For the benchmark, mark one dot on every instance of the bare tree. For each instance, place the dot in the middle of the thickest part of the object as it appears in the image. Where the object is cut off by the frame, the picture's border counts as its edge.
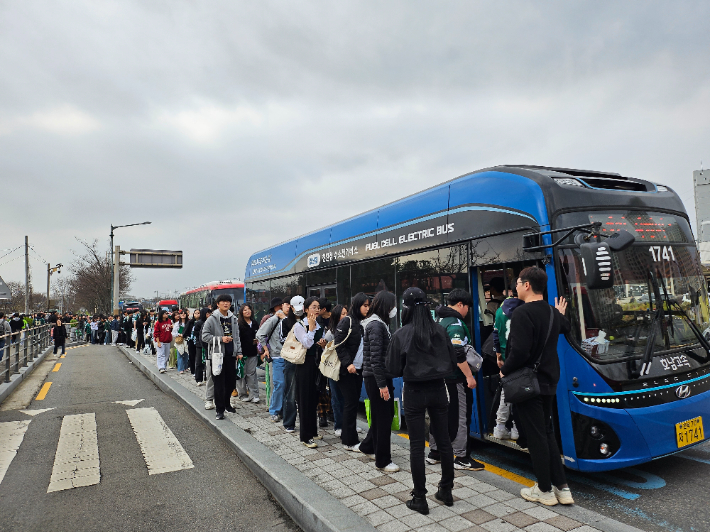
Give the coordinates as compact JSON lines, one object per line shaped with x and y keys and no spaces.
{"x":89,"y":284}
{"x":38,"y":302}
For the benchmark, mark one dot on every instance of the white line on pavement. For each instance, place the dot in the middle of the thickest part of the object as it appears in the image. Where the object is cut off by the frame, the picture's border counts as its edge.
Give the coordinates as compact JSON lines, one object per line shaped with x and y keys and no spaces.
{"x":35,"y":412}
{"x":77,"y":460}
{"x":11,"y":435}
{"x":132,"y":402}
{"x":161,"y":449}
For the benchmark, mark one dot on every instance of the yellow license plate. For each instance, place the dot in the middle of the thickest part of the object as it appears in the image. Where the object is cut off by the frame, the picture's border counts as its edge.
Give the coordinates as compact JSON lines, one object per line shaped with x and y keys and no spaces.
{"x":689,"y":432}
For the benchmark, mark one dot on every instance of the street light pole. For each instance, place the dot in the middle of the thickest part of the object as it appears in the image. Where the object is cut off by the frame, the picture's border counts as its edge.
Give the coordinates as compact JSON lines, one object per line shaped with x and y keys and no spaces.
{"x":50,"y":271}
{"x":113,"y":281}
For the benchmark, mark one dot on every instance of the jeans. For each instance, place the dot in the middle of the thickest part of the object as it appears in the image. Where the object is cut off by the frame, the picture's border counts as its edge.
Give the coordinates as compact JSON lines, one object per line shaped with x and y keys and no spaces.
{"x":114,"y":337}
{"x":350,"y":385}
{"x":182,"y":360}
{"x":536,"y":420}
{"x":224,"y":384}
{"x":378,"y":440}
{"x":163,"y":353}
{"x":419,"y":397}
{"x":289,"y":396}
{"x":277,"y":390}
{"x":57,"y":346}
{"x":249,"y":380}
{"x":336,"y":401}
{"x":2,"y":348}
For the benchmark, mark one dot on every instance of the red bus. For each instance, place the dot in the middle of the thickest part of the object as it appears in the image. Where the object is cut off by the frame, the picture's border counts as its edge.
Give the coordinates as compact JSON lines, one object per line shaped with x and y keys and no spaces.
{"x":204,"y":296}
{"x":167,"y":304}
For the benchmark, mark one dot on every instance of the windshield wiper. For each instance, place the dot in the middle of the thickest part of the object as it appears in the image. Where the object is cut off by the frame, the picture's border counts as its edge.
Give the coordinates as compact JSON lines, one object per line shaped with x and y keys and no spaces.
{"x":701,"y":339}
{"x":651,"y":338}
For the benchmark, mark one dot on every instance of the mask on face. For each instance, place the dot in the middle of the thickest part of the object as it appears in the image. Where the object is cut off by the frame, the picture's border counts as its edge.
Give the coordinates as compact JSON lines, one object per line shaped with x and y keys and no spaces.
{"x":393,"y":312}
{"x":298,"y":313}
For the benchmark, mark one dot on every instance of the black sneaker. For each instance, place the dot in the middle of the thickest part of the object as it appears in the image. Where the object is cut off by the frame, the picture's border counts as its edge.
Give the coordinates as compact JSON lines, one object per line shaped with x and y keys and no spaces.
{"x":444,"y":495}
{"x":322,"y":422}
{"x":468,"y":464}
{"x":418,"y":504}
{"x":230,"y":409}
{"x":220,"y":415}
{"x":433,"y":458}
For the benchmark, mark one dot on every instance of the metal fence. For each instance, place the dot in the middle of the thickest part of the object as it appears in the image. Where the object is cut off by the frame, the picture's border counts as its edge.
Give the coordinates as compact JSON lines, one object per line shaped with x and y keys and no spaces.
{"x":21,"y":348}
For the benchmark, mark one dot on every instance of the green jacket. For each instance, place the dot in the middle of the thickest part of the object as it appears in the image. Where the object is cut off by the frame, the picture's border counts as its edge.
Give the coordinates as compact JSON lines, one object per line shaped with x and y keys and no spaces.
{"x":459,"y":335}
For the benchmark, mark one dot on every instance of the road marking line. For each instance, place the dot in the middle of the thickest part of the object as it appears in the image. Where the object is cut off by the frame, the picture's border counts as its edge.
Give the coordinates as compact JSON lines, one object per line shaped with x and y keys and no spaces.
{"x":43,"y":391}
{"x":57,"y":366}
{"x":132,"y":402}
{"x":161,"y":450}
{"x":63,"y":356}
{"x":11,"y":435}
{"x":76,"y":463}
{"x":35,"y":412}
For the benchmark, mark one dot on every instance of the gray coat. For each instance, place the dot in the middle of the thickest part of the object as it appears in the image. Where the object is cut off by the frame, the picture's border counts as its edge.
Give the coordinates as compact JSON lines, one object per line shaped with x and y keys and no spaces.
{"x":270,"y":329}
{"x":5,"y":328}
{"x":213,"y":329}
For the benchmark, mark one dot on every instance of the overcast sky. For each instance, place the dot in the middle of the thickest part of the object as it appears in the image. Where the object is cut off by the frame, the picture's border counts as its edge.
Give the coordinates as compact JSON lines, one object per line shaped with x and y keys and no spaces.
{"x":233,"y":126}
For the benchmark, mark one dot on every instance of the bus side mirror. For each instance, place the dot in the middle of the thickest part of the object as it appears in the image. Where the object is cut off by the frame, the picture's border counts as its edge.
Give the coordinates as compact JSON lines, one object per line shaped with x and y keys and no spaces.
{"x":620,"y":241}
{"x":596,"y":262}
{"x":531,"y":241}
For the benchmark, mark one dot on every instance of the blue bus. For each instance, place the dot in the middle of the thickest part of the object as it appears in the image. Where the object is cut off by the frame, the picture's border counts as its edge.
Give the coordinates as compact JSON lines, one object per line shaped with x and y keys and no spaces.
{"x":635,"y":378}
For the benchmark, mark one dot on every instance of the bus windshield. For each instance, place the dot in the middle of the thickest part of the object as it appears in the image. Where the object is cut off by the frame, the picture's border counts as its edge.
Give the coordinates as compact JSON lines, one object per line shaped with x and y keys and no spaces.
{"x":658,"y":295}
{"x":237,"y":295}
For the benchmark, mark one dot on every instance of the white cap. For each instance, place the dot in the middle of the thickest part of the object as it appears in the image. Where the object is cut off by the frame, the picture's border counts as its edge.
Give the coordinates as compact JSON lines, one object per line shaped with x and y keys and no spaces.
{"x":297,"y":303}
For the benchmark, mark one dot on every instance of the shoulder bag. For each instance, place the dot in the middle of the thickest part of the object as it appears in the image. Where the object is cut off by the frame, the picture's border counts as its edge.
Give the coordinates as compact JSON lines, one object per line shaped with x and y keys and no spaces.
{"x":522,"y":383}
{"x":217,"y":356}
{"x":293,"y":351}
{"x":329,"y":361}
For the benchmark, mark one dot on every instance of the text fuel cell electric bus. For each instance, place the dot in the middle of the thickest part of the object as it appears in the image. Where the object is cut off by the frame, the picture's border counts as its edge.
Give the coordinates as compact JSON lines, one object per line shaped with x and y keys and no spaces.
{"x":635,"y":368}
{"x":204,"y":296}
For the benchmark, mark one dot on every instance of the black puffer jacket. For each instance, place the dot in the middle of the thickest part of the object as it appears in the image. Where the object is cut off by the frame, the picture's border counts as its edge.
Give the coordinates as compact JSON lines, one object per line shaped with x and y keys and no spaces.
{"x":405,"y":358}
{"x":347,"y":349}
{"x":59,"y":334}
{"x":375,"y":343}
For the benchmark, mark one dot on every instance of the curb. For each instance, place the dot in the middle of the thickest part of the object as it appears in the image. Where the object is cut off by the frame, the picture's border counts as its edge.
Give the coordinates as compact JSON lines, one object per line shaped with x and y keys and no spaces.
{"x":6,"y":388}
{"x":309,"y":505}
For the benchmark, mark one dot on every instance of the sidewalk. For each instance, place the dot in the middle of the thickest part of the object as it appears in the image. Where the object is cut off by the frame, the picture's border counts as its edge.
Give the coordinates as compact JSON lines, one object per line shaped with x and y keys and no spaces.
{"x":482,"y":500}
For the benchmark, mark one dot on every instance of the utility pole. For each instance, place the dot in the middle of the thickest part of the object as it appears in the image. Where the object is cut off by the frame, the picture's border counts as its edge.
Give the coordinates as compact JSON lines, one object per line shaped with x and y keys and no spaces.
{"x":116,"y":270}
{"x":27,"y":276}
{"x":49,"y":274}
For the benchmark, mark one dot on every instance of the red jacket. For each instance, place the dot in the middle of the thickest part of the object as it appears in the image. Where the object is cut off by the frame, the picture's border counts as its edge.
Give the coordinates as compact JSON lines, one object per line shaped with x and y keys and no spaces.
{"x":163,"y":331}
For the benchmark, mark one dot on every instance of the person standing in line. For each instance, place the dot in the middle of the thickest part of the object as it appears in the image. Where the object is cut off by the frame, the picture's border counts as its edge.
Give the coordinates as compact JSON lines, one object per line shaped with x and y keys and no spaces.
{"x":200,"y":349}
{"x":270,"y":338}
{"x":190,"y":336}
{"x":179,"y":328}
{"x":128,"y":327}
{"x":501,"y":331}
{"x":248,"y":387}
{"x":308,"y":334}
{"x":348,"y":339}
{"x":163,"y":335}
{"x":460,"y":383}
{"x":532,"y":343}
{"x":59,"y":334}
{"x":139,"y":326}
{"x":379,"y":387}
{"x":338,"y":313}
{"x":16,"y":326}
{"x":5,"y":334}
{"x":94,"y":330}
{"x":222,"y":327}
{"x":422,"y":353}
{"x":325,"y":409}
{"x":115,"y":327}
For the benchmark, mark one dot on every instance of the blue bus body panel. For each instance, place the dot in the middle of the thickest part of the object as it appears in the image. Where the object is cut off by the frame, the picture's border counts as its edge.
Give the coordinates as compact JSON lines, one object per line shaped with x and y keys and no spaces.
{"x":431,"y":201}
{"x":362,"y":224}
{"x":312,"y":240}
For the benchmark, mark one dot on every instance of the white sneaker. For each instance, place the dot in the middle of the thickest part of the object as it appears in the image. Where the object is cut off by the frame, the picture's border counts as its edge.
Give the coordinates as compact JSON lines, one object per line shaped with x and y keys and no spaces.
{"x":318,"y":437}
{"x":310,"y":444}
{"x":162,"y":370}
{"x":535,"y":495}
{"x":389,"y":468}
{"x":255,"y":400}
{"x":245,"y":399}
{"x":360,"y":430}
{"x":514,"y":435}
{"x":356,"y":448}
{"x":564,"y":496}
{"x":353,"y":448}
{"x":209,"y":405}
{"x":201,"y":383}
{"x":501,"y":433}
{"x":338,"y":432}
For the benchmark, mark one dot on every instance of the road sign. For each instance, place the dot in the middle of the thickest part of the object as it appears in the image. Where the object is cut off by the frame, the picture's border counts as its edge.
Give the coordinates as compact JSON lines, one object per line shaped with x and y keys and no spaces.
{"x":155,"y":258}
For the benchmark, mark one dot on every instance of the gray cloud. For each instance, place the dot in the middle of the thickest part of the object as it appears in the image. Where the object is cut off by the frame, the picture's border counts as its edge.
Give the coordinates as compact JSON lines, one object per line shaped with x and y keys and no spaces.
{"x":276,"y":119}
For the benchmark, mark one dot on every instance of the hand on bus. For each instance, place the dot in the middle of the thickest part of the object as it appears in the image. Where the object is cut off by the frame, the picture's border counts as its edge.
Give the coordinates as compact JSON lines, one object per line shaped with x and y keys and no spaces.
{"x":561,"y":305}
{"x":471,"y":382}
{"x":385,"y":393}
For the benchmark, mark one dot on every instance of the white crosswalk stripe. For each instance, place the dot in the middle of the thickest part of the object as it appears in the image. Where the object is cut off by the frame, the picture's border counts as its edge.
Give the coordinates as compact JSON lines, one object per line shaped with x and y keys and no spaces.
{"x":11,"y":435}
{"x":161,"y":449}
{"x":76,"y":462}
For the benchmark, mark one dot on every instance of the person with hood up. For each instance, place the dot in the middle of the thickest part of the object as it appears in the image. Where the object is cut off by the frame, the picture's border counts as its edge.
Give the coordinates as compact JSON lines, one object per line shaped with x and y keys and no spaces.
{"x":460,"y":383}
{"x":16,"y":326}
{"x":221,"y":332}
{"x":200,"y":348}
{"x":501,"y":331}
{"x":378,"y":385}
{"x":59,"y":335}
{"x":349,"y":347}
{"x":422,"y":353}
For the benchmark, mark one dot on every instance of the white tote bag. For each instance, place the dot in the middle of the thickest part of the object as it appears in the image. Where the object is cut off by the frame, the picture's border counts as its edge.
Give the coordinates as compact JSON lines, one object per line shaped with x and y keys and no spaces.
{"x":329,"y":362}
{"x":217,"y":356}
{"x":293,"y":351}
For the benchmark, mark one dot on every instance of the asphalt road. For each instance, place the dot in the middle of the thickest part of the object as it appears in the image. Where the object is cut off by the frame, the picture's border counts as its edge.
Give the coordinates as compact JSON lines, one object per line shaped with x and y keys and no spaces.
{"x":217,"y":493}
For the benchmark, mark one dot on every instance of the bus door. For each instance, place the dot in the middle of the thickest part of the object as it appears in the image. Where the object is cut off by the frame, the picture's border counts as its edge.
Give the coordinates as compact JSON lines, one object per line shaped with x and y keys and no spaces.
{"x":491,"y":284}
{"x":329,"y":292}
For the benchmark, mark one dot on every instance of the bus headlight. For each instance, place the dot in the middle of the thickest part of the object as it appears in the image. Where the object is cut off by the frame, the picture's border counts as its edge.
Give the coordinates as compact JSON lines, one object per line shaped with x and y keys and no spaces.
{"x":593,"y":439}
{"x":604,"y":449}
{"x":595,"y":432}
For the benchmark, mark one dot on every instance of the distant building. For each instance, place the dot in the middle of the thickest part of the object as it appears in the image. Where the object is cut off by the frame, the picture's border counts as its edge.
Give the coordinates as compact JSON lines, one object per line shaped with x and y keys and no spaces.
{"x":701,"y":182}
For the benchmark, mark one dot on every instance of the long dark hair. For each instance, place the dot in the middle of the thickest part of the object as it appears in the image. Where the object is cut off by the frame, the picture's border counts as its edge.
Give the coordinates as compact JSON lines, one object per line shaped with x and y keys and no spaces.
{"x":335,"y":318}
{"x":241,"y":319}
{"x":419,"y":316}
{"x":358,"y":300}
{"x":383,"y":303}
{"x":161,"y":314}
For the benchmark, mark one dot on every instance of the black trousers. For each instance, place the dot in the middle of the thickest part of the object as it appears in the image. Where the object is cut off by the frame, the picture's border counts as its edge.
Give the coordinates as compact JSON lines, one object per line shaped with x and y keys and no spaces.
{"x":535,"y":416}
{"x":140,"y":340}
{"x":350,"y":386}
{"x":419,"y":397}
{"x":377,"y":441}
{"x":129,"y":341}
{"x":191,"y":352}
{"x":307,"y":398}
{"x":224,"y":383}
{"x":57,"y":345}
{"x":199,"y":366}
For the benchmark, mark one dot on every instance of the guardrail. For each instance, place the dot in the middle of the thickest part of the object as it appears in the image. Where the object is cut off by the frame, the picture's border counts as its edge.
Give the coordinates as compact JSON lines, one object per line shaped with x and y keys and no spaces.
{"x":26,"y":346}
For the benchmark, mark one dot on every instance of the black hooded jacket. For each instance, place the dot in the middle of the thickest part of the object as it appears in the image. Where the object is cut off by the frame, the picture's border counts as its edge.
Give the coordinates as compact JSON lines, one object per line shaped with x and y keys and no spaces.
{"x":197,"y":328}
{"x":347,"y":349}
{"x":375,"y":343}
{"x":405,"y":358}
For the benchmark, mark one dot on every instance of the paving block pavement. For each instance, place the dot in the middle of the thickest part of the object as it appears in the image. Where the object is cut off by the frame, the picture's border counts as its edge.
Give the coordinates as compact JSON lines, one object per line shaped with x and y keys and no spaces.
{"x":482,"y":501}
